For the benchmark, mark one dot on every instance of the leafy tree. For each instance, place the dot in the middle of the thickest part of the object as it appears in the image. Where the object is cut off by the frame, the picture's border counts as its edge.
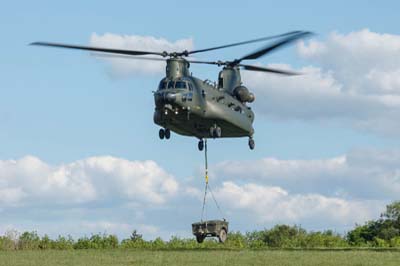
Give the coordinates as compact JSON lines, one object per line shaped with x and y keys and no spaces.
{"x":284,"y":236}
{"x":64,"y":243}
{"x":29,"y":240}
{"x":392,"y":214}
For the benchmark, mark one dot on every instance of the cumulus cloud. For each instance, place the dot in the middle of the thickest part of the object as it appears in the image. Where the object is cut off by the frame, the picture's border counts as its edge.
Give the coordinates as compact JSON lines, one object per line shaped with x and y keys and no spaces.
{"x":355,"y":79}
{"x":360,"y":174}
{"x":269,"y":204}
{"x":114,"y":195}
{"x":31,"y":181}
{"x":124,"y":67}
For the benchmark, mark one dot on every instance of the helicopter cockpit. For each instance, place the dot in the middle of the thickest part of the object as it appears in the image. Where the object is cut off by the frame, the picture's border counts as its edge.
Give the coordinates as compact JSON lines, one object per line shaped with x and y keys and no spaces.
{"x":175,"y":85}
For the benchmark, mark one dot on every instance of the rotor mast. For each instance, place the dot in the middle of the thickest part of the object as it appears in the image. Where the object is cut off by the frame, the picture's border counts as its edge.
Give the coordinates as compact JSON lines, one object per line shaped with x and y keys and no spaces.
{"x":177,"y":67}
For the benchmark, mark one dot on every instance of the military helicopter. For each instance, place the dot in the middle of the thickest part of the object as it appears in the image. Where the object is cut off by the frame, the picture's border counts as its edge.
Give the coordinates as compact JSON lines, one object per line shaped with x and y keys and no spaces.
{"x":190,"y":106}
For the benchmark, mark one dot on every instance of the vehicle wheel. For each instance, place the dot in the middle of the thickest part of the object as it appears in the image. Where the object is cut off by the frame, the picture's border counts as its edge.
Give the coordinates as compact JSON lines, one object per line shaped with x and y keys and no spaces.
{"x":201,"y":145}
{"x":167,"y":133}
{"x":252,"y":144}
{"x":161,"y":133}
{"x":222,"y":236}
{"x":200,"y":238}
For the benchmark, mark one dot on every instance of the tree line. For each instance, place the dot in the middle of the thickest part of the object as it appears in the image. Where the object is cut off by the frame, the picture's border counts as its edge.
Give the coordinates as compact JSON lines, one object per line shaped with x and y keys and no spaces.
{"x":383,"y":233}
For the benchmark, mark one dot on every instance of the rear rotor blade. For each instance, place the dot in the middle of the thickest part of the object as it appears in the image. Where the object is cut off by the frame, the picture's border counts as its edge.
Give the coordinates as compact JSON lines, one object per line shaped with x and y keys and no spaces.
{"x":245,"y":42}
{"x":269,"y":70}
{"x":98,"y":49}
{"x":271,"y":47}
{"x":219,"y":63}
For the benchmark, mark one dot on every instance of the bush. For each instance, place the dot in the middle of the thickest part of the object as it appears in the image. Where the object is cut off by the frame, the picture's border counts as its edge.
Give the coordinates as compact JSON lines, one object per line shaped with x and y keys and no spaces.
{"x":380,"y":243}
{"x":395,"y":242}
{"x":236,"y":240}
{"x":63,"y":243}
{"x":46,"y":243}
{"x":284,"y":236}
{"x":29,"y":240}
{"x":384,"y":232}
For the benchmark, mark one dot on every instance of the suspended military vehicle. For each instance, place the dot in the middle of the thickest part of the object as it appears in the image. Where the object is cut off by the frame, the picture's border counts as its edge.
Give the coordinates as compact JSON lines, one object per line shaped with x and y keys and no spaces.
{"x":199,"y":108}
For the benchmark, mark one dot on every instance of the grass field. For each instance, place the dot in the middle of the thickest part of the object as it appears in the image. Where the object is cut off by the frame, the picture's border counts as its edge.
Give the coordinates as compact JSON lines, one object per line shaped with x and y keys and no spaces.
{"x":201,"y":257}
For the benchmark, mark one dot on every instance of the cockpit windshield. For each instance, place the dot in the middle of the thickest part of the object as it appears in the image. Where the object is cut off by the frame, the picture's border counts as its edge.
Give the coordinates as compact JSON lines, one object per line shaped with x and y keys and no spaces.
{"x":174,"y":85}
{"x":180,"y":85}
{"x":171,"y":84}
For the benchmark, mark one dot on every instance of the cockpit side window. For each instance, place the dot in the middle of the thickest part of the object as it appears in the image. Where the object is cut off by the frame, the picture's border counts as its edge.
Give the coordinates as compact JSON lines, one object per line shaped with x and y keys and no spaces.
{"x":171,"y":84}
{"x":220,"y":82}
{"x":180,"y":85}
{"x":162,"y":85}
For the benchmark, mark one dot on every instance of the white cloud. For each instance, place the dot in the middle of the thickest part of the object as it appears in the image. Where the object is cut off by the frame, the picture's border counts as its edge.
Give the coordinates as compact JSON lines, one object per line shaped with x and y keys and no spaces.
{"x":355,"y":79}
{"x":269,"y":204}
{"x":127,"y":67}
{"x":10,"y":196}
{"x":114,"y":195}
{"x":31,"y":181}
{"x":360,"y":174}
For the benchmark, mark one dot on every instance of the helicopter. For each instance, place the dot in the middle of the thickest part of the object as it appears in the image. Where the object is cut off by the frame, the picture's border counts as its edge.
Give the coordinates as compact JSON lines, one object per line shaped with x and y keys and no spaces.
{"x":199,"y":108}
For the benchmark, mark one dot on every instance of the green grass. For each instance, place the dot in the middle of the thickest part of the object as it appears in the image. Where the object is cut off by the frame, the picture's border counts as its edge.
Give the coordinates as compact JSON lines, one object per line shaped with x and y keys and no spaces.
{"x":201,"y":257}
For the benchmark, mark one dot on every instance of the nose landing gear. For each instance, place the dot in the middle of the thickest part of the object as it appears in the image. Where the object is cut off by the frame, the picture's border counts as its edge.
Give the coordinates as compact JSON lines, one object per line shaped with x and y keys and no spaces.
{"x":215,"y":132}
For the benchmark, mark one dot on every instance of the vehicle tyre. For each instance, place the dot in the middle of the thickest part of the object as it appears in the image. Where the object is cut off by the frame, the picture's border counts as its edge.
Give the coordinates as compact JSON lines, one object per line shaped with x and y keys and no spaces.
{"x":252,"y":144}
{"x":201,"y":145}
{"x":222,"y":236}
{"x":161,"y":133}
{"x":200,"y":238}
{"x":167,"y":133}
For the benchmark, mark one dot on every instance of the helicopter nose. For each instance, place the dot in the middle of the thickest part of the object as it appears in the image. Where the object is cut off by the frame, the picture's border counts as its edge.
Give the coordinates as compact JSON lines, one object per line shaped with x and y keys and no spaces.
{"x":170,"y":97}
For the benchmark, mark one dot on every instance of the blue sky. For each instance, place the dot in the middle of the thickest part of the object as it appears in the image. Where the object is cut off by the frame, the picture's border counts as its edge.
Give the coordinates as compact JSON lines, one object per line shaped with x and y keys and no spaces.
{"x":62,"y":108}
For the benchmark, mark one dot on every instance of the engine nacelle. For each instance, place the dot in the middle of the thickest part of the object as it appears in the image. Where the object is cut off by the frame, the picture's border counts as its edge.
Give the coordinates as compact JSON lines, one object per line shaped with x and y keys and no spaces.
{"x":243,"y":94}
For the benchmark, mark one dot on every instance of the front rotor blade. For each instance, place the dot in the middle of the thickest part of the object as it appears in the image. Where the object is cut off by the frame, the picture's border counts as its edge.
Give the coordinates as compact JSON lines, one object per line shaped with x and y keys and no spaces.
{"x":245,"y":42}
{"x":269,"y":70}
{"x":97,"y":49}
{"x":118,"y":56}
{"x":271,"y":47}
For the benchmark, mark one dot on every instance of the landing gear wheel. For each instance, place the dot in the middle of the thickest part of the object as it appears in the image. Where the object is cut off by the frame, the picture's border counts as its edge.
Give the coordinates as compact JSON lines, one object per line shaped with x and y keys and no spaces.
{"x":222,"y":236}
{"x":200,"y":238}
{"x":161,"y":133}
{"x":167,"y":133}
{"x":252,"y":144}
{"x":200,"y":145}
{"x":218,"y":132}
{"x":215,"y":132}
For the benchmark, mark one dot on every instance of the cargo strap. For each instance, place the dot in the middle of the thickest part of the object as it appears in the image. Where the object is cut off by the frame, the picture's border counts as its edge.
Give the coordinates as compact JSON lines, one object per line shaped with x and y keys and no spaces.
{"x":207,"y":187}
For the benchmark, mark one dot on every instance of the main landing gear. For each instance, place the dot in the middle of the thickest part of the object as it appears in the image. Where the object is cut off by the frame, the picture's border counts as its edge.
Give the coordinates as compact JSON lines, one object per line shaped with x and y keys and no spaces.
{"x":200,"y":145}
{"x":164,"y":133}
{"x":252,"y":144}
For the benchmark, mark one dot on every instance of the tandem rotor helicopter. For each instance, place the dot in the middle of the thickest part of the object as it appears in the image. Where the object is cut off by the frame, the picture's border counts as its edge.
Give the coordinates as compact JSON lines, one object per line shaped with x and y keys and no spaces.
{"x":190,"y":106}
